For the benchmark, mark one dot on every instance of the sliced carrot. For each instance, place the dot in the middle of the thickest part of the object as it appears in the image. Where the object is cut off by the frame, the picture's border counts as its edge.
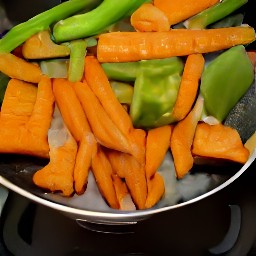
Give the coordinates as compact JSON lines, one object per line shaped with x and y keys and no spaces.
{"x":99,"y":84}
{"x":182,"y":139}
{"x":103,"y":172}
{"x":219,"y":141}
{"x":180,"y":10}
{"x":134,"y":46}
{"x":149,"y":18}
{"x":102,"y":126}
{"x":189,"y":86}
{"x":158,"y":141}
{"x":18,"y":68}
{"x":156,"y":189}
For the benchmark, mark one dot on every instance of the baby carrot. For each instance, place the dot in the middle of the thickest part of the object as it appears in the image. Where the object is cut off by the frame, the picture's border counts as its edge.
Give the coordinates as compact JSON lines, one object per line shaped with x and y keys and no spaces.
{"x":19,"y":68}
{"x":189,"y":86}
{"x":180,"y":10}
{"x":134,"y":46}
{"x":99,"y":84}
{"x":149,"y":18}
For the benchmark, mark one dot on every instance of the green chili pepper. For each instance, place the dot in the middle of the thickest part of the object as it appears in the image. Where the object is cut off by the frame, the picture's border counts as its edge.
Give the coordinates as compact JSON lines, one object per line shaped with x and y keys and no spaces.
{"x":155,"y":91}
{"x":225,"y":80}
{"x":20,"y":33}
{"x":213,"y":14}
{"x":93,"y":22}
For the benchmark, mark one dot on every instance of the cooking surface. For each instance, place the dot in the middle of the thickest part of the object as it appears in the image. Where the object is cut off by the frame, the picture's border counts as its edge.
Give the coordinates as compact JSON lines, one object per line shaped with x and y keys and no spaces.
{"x":29,"y":229}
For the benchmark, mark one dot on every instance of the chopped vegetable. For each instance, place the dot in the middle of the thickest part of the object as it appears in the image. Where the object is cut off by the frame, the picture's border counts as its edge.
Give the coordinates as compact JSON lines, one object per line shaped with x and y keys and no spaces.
{"x":4,"y":80}
{"x":180,"y":10}
{"x":225,"y":80}
{"x":134,"y":46}
{"x":219,"y":141}
{"x":189,"y":86}
{"x":123,"y":92}
{"x":213,"y":14}
{"x":250,"y":144}
{"x":55,"y":68}
{"x":229,"y":21}
{"x":95,"y":21}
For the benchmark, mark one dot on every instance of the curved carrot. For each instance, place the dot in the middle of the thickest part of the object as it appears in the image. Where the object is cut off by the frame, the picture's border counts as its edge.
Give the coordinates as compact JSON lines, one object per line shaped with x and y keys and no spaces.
{"x":18,"y":68}
{"x":102,"y":126}
{"x":180,"y":10}
{"x":182,"y":139}
{"x":158,"y":141}
{"x":134,"y":46}
{"x":149,"y":18}
{"x":189,"y":86}
{"x":99,"y":84}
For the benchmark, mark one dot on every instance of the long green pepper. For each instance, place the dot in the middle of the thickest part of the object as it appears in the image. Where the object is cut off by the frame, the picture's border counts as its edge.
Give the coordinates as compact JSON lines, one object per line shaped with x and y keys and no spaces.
{"x":20,"y":33}
{"x":94,"y":21}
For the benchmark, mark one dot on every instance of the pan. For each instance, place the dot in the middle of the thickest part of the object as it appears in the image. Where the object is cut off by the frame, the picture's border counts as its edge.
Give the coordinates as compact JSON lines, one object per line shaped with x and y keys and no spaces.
{"x":90,"y":208}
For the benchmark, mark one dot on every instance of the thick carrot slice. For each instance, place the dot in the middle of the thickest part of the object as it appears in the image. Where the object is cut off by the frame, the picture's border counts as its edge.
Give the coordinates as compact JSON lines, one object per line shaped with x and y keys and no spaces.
{"x":99,"y":84}
{"x":219,"y":141}
{"x":182,"y":139}
{"x":158,"y":141}
{"x":134,"y":46}
{"x":102,"y":126}
{"x":103,"y":172}
{"x":149,"y":18}
{"x":156,"y":189}
{"x":18,"y":68}
{"x":180,"y":10}
{"x":189,"y":86}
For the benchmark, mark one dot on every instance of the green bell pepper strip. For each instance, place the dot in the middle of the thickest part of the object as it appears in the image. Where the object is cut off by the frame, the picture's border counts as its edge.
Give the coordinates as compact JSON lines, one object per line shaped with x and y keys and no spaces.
{"x":213,"y":14}
{"x":155,"y":92}
{"x":94,"y":21}
{"x":225,"y":80}
{"x":21,"y":32}
{"x":55,"y":68}
{"x":4,"y":80}
{"x":123,"y":92}
{"x":230,"y":21}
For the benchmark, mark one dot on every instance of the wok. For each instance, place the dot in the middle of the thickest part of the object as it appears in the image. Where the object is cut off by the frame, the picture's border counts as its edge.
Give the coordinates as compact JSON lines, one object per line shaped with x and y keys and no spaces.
{"x":16,"y":171}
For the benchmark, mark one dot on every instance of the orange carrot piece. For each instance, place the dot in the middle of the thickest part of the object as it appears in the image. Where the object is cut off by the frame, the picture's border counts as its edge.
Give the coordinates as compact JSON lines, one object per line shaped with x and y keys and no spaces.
{"x":189,"y":86}
{"x":102,"y":126}
{"x":103,"y":172}
{"x":182,"y":139}
{"x":134,"y":46}
{"x":18,"y":68}
{"x":148,"y":18}
{"x":180,"y":10}
{"x":158,"y":141}
{"x":156,"y":189}
{"x":99,"y":84}
{"x":219,"y":141}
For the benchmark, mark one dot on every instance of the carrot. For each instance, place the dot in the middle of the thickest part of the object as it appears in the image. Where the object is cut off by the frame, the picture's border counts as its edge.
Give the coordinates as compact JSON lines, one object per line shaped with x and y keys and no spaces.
{"x":180,"y":10}
{"x":18,"y":68}
{"x":158,"y":141}
{"x":103,"y":172}
{"x":102,"y":126}
{"x":189,"y":86}
{"x":134,"y":46}
{"x":182,"y":139}
{"x":219,"y":141}
{"x":99,"y":84}
{"x":149,"y":18}
{"x":156,"y":189}
{"x":76,"y":121}
{"x":41,"y":46}
{"x":57,"y":175}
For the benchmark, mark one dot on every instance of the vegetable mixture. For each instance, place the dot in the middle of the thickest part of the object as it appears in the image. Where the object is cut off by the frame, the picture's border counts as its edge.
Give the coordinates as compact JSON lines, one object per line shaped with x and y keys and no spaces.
{"x":110,"y":86}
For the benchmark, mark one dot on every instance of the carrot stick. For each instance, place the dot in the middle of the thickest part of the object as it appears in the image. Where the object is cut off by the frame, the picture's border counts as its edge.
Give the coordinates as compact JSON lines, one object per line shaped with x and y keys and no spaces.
{"x":99,"y":84}
{"x":102,"y":126}
{"x":102,"y":171}
{"x":156,"y":189}
{"x":189,"y":86}
{"x":158,"y":141}
{"x":18,"y":68}
{"x":180,"y":10}
{"x":134,"y":46}
{"x":149,"y":18}
{"x":182,"y":139}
